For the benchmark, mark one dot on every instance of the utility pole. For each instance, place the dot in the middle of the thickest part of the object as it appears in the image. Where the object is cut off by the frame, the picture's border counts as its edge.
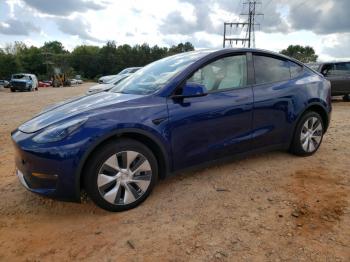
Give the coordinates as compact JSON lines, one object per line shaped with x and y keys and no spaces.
{"x":249,"y":25}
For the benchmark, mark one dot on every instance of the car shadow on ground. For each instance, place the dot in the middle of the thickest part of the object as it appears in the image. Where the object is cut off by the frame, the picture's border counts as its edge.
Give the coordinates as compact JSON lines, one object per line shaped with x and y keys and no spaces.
{"x":42,"y":206}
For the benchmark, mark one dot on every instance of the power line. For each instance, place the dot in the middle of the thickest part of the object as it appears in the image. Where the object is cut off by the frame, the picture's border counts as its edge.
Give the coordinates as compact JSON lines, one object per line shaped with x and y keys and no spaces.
{"x":249,"y":25}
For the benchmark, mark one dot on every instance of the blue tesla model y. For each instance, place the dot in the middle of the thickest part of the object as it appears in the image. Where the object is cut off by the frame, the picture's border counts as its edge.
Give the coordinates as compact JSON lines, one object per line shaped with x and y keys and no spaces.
{"x":178,"y":112}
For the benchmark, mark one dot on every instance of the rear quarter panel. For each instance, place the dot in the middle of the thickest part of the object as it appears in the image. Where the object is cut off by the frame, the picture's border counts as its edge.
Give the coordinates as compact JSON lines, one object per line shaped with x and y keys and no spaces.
{"x":278,"y":107}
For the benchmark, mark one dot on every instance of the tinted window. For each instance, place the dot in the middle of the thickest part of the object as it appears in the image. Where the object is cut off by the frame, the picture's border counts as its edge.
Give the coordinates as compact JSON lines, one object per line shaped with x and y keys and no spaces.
{"x":327,"y":69}
{"x":336,"y":69}
{"x":342,"y":69}
{"x":295,"y":69}
{"x":269,"y":70}
{"x":343,"y":66}
{"x":225,"y":73}
{"x":133,"y":70}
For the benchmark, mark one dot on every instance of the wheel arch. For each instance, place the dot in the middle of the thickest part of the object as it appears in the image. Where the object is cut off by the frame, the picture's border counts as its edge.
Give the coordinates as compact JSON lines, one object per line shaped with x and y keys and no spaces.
{"x":312,"y":107}
{"x":321,"y":110}
{"x":141,"y":136}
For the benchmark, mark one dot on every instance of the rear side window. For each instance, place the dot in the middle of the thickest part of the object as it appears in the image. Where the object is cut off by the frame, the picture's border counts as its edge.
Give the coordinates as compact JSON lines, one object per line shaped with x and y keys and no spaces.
{"x":343,"y":68}
{"x":337,"y":69}
{"x":270,"y":70}
{"x":295,"y":69}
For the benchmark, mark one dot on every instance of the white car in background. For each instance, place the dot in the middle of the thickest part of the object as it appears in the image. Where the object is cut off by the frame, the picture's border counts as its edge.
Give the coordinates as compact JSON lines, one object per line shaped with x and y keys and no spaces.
{"x":129,"y":70}
{"x":4,"y":83}
{"x":108,"y":85}
{"x":73,"y":81}
{"x":105,"y":79}
{"x":126,"y":71}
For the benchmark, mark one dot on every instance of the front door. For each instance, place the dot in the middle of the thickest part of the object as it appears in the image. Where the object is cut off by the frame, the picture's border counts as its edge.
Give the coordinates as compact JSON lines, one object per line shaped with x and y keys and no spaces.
{"x":218,"y":124}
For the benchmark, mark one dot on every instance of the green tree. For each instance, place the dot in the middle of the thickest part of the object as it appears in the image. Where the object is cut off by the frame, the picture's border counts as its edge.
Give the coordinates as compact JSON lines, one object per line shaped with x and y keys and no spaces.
{"x":31,"y":60}
{"x":89,"y":61}
{"x":8,"y":65}
{"x":304,"y":54}
{"x":54,"y":47}
{"x":109,"y":59}
{"x":180,"y":48}
{"x":85,"y":60}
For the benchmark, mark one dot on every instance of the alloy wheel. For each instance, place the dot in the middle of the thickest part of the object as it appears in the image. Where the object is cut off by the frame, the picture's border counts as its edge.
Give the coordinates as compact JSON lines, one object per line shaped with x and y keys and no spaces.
{"x":124,"y":177}
{"x":311,"y":134}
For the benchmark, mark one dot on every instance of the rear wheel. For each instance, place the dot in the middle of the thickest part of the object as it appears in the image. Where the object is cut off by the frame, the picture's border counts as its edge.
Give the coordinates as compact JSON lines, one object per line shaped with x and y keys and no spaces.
{"x":120,"y":175}
{"x":308,"y":134}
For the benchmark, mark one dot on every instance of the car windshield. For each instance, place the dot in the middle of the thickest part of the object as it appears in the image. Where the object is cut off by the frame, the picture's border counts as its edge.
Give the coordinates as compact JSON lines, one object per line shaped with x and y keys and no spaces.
{"x":119,"y":79}
{"x":20,"y":77}
{"x":114,"y":79}
{"x":133,"y":70}
{"x":154,"y":76}
{"x":125,"y":71}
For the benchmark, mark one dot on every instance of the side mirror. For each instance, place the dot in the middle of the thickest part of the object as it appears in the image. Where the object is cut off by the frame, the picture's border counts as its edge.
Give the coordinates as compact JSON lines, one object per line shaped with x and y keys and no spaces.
{"x":191,"y":89}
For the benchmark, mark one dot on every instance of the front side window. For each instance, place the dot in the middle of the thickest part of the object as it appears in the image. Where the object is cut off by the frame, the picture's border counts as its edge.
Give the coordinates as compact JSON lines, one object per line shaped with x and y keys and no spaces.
{"x":225,"y":73}
{"x":270,"y":70}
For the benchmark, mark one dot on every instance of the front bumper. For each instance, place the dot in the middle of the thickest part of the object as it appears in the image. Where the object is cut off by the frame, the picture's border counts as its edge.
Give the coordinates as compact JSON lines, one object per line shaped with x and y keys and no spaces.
{"x":47,"y":170}
{"x":20,"y":87}
{"x":21,"y":178}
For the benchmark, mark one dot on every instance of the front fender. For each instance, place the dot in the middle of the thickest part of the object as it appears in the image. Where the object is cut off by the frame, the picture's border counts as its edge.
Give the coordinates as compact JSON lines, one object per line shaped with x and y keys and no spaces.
{"x":139,"y":130}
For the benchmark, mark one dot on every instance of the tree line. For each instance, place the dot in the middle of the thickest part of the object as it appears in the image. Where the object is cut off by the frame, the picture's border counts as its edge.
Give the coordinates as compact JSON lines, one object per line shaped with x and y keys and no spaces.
{"x":93,"y":61}
{"x":305,"y":54}
{"x":86,"y":60}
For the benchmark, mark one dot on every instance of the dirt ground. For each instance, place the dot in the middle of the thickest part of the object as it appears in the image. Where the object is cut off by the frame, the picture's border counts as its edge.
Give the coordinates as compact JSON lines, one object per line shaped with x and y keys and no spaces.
{"x":267,"y":207}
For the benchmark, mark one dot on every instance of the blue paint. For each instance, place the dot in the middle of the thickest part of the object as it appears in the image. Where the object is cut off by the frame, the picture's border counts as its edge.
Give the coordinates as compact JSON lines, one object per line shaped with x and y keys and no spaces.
{"x":190,"y":130}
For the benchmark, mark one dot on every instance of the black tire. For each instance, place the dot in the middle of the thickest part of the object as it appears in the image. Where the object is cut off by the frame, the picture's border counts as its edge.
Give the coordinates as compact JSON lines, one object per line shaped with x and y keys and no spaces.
{"x":346,"y":98}
{"x":13,"y":90}
{"x":99,"y":157}
{"x":296,"y":146}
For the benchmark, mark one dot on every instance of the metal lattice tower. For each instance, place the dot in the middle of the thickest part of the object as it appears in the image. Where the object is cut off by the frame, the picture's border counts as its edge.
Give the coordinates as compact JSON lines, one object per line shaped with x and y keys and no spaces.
{"x":249,"y":26}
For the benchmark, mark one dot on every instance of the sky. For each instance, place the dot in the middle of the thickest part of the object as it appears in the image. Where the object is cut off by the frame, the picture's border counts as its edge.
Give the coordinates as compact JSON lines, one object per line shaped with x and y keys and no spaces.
{"x":322,"y":24}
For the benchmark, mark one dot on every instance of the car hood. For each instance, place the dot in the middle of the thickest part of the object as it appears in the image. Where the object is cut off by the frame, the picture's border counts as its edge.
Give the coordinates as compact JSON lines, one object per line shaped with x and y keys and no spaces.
{"x":73,"y":107}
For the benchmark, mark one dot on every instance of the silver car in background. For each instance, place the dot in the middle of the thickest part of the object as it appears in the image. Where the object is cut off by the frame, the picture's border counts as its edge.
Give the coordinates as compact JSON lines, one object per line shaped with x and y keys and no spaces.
{"x":126,"y":71}
{"x":108,"y":85}
{"x":4,"y":83}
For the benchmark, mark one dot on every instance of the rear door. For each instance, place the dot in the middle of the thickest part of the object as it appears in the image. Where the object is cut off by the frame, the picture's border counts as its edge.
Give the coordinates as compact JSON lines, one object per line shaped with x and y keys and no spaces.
{"x":273,"y":99}
{"x":218,"y":124}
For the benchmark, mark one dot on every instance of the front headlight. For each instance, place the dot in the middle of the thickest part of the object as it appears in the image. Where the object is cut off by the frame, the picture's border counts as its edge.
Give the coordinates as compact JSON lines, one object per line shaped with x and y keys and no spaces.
{"x":58,"y":132}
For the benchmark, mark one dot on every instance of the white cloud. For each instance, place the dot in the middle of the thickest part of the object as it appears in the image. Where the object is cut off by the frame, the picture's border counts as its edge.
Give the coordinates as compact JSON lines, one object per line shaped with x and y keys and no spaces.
{"x":323,"y":25}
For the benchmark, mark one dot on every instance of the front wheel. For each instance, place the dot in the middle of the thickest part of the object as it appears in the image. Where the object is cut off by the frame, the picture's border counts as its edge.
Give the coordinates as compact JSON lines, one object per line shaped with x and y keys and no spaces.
{"x":120,"y":175}
{"x":308,"y":134}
